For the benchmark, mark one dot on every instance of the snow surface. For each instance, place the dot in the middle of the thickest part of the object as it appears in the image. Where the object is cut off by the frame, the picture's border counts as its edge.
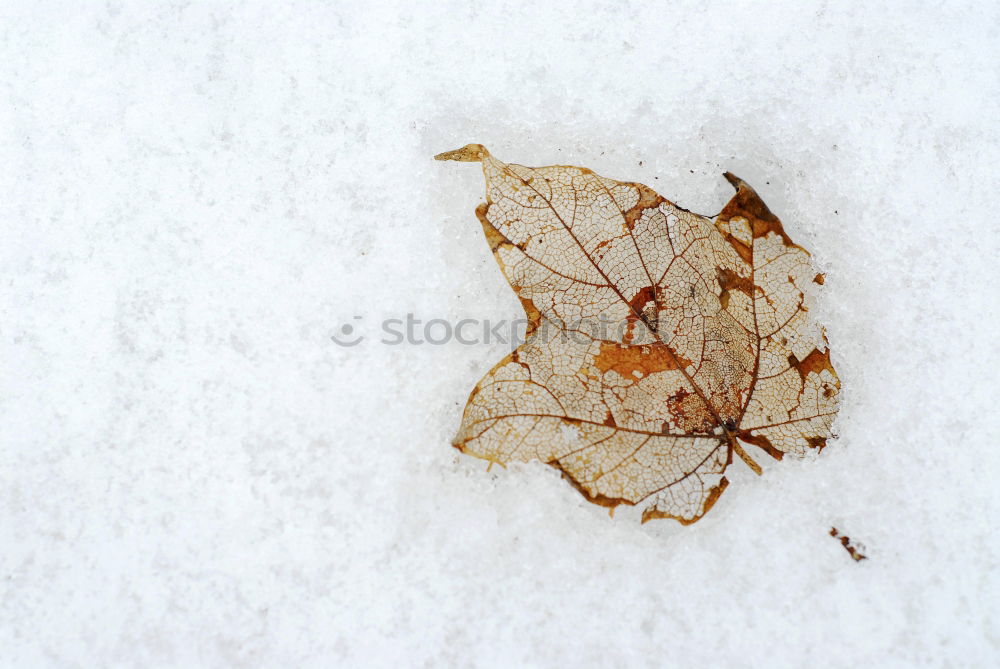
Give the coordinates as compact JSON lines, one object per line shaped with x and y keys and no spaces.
{"x":195,"y":197}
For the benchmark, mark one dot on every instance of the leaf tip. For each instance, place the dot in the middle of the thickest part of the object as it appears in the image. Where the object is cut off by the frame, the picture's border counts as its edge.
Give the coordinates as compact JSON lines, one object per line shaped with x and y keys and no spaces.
{"x":470,"y":153}
{"x":736,"y":181}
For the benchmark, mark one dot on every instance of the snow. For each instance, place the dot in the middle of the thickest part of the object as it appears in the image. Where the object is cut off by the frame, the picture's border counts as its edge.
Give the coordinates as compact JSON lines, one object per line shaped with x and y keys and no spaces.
{"x":196,"y":197}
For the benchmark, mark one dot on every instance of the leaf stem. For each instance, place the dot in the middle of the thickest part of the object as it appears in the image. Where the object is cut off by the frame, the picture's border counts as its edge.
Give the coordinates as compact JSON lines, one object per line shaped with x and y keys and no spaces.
{"x":745,"y":457}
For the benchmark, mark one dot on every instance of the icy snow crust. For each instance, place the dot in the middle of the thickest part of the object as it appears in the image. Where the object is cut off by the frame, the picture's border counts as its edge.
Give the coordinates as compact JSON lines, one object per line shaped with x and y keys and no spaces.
{"x":195,"y":198}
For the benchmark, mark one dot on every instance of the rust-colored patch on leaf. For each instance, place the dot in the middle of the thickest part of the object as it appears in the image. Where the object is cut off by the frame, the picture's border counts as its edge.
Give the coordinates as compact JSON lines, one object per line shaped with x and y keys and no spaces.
{"x":742,"y":248}
{"x":746,"y":204}
{"x":730,"y":280}
{"x":814,"y":363}
{"x":651,"y":405}
{"x":648,"y":199}
{"x":533,"y":314}
{"x":763,"y":443}
{"x":845,"y":541}
{"x":493,"y":236}
{"x":639,"y":310}
{"x":819,"y":443}
{"x":636,"y":361}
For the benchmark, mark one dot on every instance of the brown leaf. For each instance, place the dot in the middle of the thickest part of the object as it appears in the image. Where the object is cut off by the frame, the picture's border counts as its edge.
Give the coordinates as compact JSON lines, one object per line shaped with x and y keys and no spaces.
{"x":659,"y":342}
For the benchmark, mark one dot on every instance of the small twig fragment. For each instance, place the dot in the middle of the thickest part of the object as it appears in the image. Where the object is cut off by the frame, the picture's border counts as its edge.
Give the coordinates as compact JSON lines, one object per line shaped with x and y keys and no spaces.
{"x":845,"y":541}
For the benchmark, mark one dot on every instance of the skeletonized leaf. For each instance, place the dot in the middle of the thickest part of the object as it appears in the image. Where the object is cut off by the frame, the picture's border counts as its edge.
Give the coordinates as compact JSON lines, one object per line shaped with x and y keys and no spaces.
{"x":660,"y":342}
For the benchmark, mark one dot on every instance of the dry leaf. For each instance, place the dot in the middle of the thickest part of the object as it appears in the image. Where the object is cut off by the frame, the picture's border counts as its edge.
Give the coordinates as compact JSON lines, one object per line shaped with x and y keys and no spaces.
{"x":704,"y":342}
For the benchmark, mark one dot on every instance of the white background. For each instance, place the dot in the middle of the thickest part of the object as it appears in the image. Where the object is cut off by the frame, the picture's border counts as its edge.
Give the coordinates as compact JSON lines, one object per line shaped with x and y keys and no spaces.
{"x":195,"y":197}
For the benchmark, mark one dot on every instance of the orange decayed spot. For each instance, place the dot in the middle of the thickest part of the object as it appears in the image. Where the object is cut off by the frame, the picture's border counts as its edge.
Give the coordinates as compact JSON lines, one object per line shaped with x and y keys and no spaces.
{"x":629,"y":360}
